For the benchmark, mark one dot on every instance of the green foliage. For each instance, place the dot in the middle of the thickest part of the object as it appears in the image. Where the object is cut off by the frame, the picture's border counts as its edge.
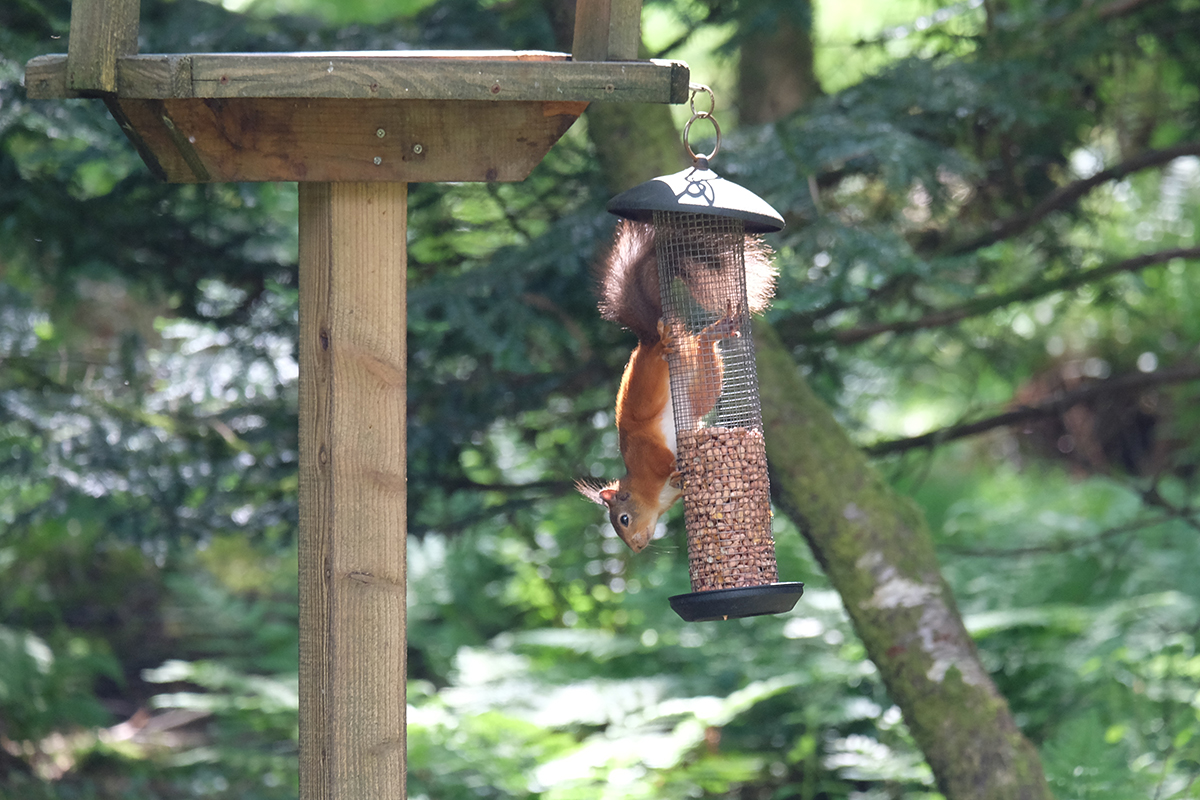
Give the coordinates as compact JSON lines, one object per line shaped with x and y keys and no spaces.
{"x":148,"y":400}
{"x":1083,"y":607}
{"x":249,"y":710}
{"x":58,"y":683}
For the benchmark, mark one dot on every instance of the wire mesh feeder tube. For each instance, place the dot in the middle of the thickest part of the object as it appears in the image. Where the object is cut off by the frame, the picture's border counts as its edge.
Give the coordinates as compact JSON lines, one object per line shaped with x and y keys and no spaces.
{"x":720,"y":449}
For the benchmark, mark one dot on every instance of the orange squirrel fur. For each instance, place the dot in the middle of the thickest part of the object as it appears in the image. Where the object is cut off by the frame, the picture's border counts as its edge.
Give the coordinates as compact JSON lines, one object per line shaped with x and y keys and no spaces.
{"x":629,"y":295}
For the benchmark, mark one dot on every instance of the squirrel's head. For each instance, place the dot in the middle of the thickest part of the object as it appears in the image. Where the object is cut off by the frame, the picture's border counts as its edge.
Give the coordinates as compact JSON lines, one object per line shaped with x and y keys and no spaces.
{"x":634,"y":524}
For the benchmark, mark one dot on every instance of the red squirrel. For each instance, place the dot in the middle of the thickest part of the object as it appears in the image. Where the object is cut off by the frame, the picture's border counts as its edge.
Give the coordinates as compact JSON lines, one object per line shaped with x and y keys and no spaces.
{"x":629,"y":295}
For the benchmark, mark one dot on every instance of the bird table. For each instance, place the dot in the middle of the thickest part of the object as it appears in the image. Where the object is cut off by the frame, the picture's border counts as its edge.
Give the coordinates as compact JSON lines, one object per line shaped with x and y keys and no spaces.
{"x":353,"y":129}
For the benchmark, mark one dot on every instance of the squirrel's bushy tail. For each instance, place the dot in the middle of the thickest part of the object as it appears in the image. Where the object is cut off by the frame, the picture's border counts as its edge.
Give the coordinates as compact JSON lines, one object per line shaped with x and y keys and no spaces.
{"x":629,"y":287}
{"x":760,"y":273}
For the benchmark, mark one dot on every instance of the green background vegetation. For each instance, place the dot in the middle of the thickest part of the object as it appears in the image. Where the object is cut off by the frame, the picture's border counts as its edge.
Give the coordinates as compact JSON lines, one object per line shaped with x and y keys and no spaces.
{"x":933,"y":273}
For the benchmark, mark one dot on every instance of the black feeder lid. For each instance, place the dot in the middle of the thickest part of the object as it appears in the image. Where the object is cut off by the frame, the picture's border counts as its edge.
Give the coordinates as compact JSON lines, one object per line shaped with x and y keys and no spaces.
{"x":747,"y":601}
{"x":696,"y":190}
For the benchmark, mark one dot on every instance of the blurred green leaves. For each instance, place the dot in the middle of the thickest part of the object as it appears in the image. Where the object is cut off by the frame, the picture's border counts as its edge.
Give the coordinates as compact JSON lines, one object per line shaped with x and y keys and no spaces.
{"x":148,"y":448}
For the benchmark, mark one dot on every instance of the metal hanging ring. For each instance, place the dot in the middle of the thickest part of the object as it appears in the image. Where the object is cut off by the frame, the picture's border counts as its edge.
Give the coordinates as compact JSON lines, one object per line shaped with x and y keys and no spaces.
{"x":716,"y":146}
{"x":696,"y":88}
{"x":712,"y":99}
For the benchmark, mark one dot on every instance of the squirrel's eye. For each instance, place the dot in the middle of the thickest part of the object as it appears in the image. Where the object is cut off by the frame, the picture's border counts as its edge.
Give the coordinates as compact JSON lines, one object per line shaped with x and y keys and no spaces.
{"x":624,"y":520}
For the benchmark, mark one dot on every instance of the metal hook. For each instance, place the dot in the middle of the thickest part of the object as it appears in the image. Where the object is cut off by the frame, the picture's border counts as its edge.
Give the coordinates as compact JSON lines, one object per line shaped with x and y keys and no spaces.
{"x":695,"y":88}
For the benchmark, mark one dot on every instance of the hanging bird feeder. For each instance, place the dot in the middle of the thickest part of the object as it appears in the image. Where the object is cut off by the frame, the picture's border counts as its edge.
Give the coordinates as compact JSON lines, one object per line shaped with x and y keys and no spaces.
{"x":700,"y":225}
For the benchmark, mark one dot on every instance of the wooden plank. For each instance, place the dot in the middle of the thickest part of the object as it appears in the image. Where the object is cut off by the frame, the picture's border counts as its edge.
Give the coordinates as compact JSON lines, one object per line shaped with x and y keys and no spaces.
{"x":453,"y":75}
{"x":607,"y":30}
{"x":141,"y":120}
{"x":143,"y":149}
{"x":352,"y":491}
{"x":591,"y":30}
{"x":46,"y":78}
{"x":155,"y":77}
{"x":273,"y":75}
{"x":253,"y":74}
{"x":101,"y":31}
{"x":624,"y":29}
{"x":276,"y":139}
{"x":184,"y":143}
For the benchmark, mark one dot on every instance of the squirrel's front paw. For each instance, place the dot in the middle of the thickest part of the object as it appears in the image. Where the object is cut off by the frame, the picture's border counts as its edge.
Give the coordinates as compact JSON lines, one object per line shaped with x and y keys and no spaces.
{"x":666,"y":333}
{"x":726,"y":327}
{"x":733,"y":314}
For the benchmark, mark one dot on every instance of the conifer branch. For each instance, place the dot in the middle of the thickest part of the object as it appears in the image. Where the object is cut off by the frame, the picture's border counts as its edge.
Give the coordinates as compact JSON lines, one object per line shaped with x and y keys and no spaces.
{"x":1066,"y":196}
{"x":1057,"y":404}
{"x":1022,"y":294}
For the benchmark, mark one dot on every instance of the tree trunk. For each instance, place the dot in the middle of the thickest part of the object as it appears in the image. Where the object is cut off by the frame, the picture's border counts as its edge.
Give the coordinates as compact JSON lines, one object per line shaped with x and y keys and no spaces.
{"x":876,"y":549}
{"x":775,"y":66}
{"x":634,"y":143}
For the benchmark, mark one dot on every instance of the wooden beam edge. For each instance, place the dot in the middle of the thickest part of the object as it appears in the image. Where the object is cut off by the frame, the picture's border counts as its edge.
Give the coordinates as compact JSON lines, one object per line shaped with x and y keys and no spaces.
{"x":367,"y":76}
{"x":193,"y":140}
{"x":681,"y":77}
{"x":149,"y":157}
{"x":46,"y":78}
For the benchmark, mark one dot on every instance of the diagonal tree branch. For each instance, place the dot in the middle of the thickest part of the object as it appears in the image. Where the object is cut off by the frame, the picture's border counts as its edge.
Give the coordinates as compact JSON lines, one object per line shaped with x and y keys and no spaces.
{"x":983,"y":305}
{"x":1055,"y":405}
{"x":1066,"y":196}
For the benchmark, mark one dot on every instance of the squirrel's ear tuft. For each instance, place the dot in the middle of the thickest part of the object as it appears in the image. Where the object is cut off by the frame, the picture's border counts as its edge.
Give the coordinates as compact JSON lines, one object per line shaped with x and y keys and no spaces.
{"x":592,"y":489}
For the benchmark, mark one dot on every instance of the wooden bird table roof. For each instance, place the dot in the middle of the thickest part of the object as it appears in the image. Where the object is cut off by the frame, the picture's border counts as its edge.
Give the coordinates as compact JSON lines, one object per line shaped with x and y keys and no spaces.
{"x":410,"y":116}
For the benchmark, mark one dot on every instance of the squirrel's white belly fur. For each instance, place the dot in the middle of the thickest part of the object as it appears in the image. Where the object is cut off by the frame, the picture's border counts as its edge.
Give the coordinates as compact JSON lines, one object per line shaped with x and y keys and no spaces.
{"x":666,"y":423}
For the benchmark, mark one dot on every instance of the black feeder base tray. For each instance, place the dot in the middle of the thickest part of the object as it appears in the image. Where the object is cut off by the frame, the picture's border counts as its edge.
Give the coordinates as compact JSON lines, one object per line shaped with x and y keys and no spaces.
{"x":747,"y":601}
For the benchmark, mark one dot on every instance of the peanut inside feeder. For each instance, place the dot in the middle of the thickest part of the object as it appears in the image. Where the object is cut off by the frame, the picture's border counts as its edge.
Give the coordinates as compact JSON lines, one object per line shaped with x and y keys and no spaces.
{"x":720,"y":449}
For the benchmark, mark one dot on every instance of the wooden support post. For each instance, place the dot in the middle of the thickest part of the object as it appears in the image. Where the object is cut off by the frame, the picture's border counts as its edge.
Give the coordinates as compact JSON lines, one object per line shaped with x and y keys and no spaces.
{"x":101,"y":31}
{"x":352,"y":490}
{"x":607,"y":30}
